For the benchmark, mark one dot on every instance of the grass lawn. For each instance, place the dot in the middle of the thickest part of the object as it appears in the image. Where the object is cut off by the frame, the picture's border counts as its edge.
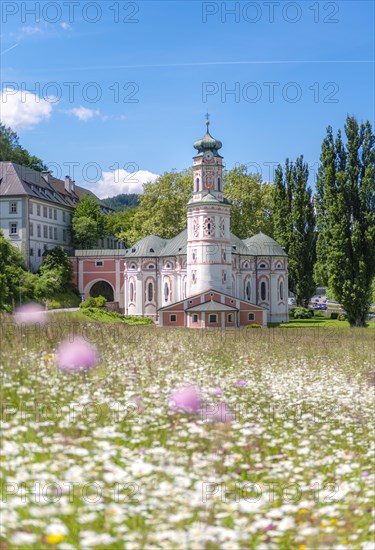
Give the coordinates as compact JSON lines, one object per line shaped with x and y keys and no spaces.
{"x":279,"y":452}
{"x":321,"y":322}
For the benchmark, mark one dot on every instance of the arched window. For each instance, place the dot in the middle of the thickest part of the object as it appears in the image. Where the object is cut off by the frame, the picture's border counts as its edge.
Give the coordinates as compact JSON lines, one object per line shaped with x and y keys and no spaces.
{"x":281,"y":291}
{"x":218,"y":184}
{"x":185,"y":289}
{"x":150,"y":291}
{"x":131,"y":292}
{"x":166,"y":291}
{"x":263,"y":290}
{"x":262,"y":266}
{"x":248,"y":290}
{"x":197,"y":184}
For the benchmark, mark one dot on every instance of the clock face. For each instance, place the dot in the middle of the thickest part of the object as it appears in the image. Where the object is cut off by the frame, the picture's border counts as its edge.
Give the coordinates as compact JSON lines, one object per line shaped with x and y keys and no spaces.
{"x":208,"y":155}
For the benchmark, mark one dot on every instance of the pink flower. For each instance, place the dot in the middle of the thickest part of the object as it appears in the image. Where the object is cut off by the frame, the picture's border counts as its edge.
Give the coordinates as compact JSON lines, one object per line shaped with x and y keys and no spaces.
{"x":216,"y":391}
{"x":76,"y":356}
{"x":186,"y":399}
{"x":219,"y":413}
{"x":30,"y":314}
{"x":241,"y":382}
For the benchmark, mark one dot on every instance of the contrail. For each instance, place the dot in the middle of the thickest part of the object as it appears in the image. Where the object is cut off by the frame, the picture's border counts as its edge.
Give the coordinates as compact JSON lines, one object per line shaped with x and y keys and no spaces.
{"x":213,"y":63}
{"x":8,"y":50}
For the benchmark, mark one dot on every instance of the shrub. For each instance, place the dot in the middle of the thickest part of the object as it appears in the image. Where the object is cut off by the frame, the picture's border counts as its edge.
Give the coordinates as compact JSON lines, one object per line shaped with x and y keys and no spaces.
{"x":254,"y":325}
{"x":113,"y":317}
{"x":342,"y":317}
{"x":100,"y":301}
{"x":302,"y":313}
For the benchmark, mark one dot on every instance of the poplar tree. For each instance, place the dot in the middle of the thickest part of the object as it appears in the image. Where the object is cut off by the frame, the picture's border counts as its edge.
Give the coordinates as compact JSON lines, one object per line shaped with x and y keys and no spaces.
{"x":294,"y":223}
{"x":345,"y":204}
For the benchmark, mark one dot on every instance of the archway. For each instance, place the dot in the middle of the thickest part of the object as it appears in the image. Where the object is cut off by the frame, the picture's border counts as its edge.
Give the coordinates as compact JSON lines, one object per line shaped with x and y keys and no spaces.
{"x":102,"y":288}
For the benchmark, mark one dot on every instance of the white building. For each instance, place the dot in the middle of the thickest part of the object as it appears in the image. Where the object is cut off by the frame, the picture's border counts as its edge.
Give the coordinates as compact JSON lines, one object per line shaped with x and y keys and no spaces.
{"x":36,"y":211}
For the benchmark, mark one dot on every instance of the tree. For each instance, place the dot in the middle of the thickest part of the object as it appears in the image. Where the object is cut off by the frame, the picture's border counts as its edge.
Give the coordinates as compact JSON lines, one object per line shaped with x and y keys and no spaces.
{"x":345,"y":202}
{"x":11,"y":150}
{"x":16,"y":284}
{"x":162,"y":208}
{"x":251,"y":202}
{"x":119,"y":223}
{"x":57,"y":258}
{"x":294,"y":222}
{"x":122,"y":202}
{"x":88,"y":223}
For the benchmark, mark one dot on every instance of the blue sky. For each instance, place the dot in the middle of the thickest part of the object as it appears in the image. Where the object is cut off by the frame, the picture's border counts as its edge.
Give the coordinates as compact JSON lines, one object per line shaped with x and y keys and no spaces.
{"x":291,"y":73}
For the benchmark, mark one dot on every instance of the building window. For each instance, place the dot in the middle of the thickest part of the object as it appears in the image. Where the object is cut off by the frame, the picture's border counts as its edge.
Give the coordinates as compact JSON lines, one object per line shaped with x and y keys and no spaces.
{"x":263,"y":290}
{"x":251,"y":317}
{"x":38,"y":230}
{"x":45,"y":247}
{"x":39,"y":253}
{"x":213,"y":318}
{"x":54,"y":214}
{"x":45,"y":231}
{"x":195,"y":318}
{"x":50,"y":213}
{"x":197,"y":184}
{"x":30,"y":207}
{"x":173,"y":318}
{"x":55,"y":233}
{"x":194,"y":277}
{"x":262,"y":266}
{"x":166,"y":291}
{"x":218,"y":184}
{"x":50,"y":233}
{"x":99,"y":263}
{"x":64,"y":235}
{"x":13,"y":208}
{"x":131,"y":292}
{"x":281,"y":291}
{"x":38,"y":209}
{"x":248,"y":290}
{"x":13,"y":229}
{"x":150,"y":292}
{"x":44,"y":211}
{"x":185,"y":289}
{"x":230,"y":318}
{"x":64,"y":216}
{"x":31,"y":252}
{"x":31,"y":228}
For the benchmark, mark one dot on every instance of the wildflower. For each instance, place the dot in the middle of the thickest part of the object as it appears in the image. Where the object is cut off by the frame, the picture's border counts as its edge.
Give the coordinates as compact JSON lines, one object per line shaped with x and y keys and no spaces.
{"x":76,"y":356}
{"x":216,"y":391}
{"x":30,"y":314}
{"x":186,"y":399}
{"x":55,"y":533}
{"x":241,"y":382}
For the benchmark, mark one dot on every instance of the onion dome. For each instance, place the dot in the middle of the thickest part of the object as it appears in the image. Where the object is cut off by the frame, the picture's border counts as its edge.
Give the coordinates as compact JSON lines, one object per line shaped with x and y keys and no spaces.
{"x":207,"y":143}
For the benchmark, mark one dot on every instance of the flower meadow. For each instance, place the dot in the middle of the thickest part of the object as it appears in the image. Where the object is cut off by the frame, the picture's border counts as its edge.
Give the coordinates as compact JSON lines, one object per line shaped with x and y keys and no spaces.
{"x":145,"y":438}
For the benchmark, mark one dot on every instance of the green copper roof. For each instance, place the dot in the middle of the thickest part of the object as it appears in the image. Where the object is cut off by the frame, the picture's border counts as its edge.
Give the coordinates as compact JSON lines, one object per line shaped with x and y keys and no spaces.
{"x":176,"y":246}
{"x":149,"y":246}
{"x":262,"y":245}
{"x":207,"y":143}
{"x":207,"y":199}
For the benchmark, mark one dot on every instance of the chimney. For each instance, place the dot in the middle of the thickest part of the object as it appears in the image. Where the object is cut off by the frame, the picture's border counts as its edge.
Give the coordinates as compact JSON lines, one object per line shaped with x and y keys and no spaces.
{"x":68,"y":184}
{"x":73,"y":186}
{"x":45,"y":174}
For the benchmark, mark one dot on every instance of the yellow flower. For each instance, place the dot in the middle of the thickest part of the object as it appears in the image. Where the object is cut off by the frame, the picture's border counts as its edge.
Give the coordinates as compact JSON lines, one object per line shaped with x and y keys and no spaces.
{"x":54,"y":539}
{"x":334,"y":521}
{"x":303,"y":511}
{"x":344,"y":541}
{"x":302,"y":547}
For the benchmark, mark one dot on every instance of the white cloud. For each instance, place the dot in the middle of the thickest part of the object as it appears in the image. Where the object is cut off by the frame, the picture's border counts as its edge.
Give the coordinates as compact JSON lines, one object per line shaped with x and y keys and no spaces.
{"x":120,"y":181}
{"x":27,"y":31}
{"x":65,"y":26}
{"x":23,"y":109}
{"x":82,"y":113}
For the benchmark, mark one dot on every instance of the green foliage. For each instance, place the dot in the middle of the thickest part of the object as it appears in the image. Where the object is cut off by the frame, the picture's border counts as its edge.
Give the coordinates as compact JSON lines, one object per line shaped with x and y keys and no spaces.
{"x":254,"y":325}
{"x":251,"y":201}
{"x":91,"y":302}
{"x":68,"y":298}
{"x":162,"y":208}
{"x":119,"y":223}
{"x":345,"y":203}
{"x":123,"y":202}
{"x":11,"y":150}
{"x":301,"y":313}
{"x":16,"y":284}
{"x":294,"y":222}
{"x":342,"y":317}
{"x":88,"y":223}
{"x":57,"y":259}
{"x":113,"y":317}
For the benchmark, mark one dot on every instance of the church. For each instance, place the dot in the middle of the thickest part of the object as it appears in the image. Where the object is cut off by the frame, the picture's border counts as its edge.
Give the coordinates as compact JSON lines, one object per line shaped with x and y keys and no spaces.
{"x":203,"y":277}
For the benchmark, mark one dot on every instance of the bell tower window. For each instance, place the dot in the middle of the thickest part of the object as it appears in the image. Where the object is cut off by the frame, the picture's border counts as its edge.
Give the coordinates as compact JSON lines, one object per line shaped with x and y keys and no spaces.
{"x":218,"y":184}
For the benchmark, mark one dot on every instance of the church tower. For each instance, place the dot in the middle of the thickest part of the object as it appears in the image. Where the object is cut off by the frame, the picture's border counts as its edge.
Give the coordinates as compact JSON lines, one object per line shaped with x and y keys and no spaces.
{"x":209,"y":261}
